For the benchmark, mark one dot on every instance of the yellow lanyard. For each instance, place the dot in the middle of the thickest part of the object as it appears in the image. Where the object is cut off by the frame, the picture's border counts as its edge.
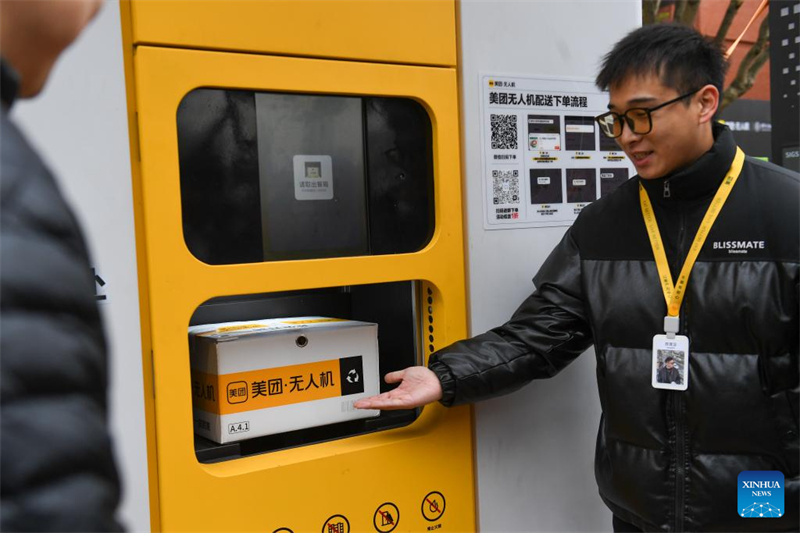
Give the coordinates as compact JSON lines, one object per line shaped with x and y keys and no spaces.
{"x":674,"y":294}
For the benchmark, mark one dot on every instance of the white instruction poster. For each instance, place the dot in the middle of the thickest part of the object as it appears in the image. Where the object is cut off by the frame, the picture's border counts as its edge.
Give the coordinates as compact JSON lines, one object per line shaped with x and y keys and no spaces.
{"x":544,"y":157}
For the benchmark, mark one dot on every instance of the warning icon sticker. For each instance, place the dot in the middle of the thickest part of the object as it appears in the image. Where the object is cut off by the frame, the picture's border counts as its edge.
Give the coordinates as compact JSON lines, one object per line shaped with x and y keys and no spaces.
{"x":386,"y":517}
{"x":433,"y":506}
{"x":336,"y":524}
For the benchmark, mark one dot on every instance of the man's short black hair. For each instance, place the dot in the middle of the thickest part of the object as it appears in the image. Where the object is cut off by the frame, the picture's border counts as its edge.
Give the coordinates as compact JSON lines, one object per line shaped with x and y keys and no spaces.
{"x":680,"y":56}
{"x":669,"y":358}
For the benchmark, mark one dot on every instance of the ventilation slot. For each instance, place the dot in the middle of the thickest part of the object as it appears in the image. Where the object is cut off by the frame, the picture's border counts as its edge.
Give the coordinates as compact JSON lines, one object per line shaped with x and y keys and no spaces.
{"x":430,"y":337}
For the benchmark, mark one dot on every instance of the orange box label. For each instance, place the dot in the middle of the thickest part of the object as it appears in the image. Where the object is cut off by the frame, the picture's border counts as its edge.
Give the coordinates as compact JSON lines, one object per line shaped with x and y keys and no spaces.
{"x":273,"y":387}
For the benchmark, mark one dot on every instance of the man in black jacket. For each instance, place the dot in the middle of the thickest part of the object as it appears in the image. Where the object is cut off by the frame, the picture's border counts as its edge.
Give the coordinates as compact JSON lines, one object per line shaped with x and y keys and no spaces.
{"x":668,"y":373}
{"x":58,"y":472}
{"x":699,"y":253}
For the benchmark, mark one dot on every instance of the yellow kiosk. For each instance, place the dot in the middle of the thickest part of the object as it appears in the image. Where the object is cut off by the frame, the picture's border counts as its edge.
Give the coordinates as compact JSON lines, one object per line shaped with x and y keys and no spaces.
{"x":299,"y":159}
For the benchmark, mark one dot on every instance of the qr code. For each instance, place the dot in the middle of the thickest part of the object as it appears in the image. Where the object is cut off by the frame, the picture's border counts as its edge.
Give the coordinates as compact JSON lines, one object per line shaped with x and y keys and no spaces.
{"x":505,"y":186}
{"x":504,"y":132}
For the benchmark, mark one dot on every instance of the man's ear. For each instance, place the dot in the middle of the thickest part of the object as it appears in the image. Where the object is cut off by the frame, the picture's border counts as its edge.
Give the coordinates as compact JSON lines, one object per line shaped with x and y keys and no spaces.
{"x":708,"y":102}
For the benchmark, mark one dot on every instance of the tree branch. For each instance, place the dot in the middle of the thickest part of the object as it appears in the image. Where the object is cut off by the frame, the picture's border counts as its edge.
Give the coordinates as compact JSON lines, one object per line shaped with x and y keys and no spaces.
{"x":727,"y":20}
{"x":749,"y":67}
{"x":732,"y":93}
{"x":649,"y":11}
{"x":688,"y":12}
{"x":680,"y":7}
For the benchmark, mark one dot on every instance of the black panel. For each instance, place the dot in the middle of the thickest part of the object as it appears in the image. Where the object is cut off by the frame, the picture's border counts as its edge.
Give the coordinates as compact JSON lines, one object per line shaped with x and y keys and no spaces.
{"x":219,"y":176}
{"x":311,"y":161}
{"x":400,"y":174}
{"x":607,"y":144}
{"x":390,"y":306}
{"x":611,"y":178}
{"x":546,"y":186}
{"x":750,"y":122}
{"x":581,"y":185}
{"x":784,"y":59}
{"x":333,"y":302}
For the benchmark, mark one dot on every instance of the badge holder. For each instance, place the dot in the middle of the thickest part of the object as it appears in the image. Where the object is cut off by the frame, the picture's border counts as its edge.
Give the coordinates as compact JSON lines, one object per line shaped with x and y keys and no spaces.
{"x":671,"y":358}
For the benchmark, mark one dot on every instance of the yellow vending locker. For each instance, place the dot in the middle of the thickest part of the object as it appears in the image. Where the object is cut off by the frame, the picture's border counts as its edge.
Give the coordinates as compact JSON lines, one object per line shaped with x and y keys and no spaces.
{"x":297,"y":163}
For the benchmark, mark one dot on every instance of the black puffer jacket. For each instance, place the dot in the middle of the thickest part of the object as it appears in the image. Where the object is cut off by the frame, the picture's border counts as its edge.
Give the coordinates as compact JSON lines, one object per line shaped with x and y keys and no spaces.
{"x":668,"y":460}
{"x":56,"y":463}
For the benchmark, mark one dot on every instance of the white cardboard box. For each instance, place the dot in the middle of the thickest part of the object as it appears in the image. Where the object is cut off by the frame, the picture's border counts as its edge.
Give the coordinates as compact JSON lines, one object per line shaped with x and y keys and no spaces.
{"x":263,"y":377}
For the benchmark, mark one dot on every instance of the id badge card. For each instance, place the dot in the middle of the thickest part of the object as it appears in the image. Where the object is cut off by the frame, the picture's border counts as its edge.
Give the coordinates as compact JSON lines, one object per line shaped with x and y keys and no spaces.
{"x":671,"y":362}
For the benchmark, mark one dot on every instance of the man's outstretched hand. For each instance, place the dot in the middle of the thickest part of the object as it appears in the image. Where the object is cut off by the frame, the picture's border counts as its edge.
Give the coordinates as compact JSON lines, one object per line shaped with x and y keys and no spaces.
{"x":418,"y":386}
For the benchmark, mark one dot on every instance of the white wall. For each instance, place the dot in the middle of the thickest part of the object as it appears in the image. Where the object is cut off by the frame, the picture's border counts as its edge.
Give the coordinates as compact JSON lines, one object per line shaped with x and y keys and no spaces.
{"x":535,"y":448}
{"x":80,"y":127}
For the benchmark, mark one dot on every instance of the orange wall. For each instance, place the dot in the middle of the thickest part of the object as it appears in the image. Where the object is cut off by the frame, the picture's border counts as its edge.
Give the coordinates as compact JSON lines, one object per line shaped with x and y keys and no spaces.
{"x":707,"y":22}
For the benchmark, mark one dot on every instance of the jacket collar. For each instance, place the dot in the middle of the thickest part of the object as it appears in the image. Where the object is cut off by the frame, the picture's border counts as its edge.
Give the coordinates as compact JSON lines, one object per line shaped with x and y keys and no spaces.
{"x":701,"y":179}
{"x":9,"y":83}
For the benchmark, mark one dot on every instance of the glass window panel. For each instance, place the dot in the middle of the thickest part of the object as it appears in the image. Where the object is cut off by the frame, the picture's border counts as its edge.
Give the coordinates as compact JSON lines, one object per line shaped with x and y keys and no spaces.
{"x":269,"y":176}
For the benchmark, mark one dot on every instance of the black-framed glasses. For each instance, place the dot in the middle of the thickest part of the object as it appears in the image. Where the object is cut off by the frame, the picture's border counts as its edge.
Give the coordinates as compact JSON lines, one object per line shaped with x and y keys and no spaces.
{"x":638,"y":119}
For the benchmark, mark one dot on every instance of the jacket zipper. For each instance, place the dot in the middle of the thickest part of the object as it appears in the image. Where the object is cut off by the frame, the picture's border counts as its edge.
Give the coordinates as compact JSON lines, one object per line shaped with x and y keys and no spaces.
{"x":667,"y":192}
{"x":680,"y":452}
{"x":680,"y":440}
